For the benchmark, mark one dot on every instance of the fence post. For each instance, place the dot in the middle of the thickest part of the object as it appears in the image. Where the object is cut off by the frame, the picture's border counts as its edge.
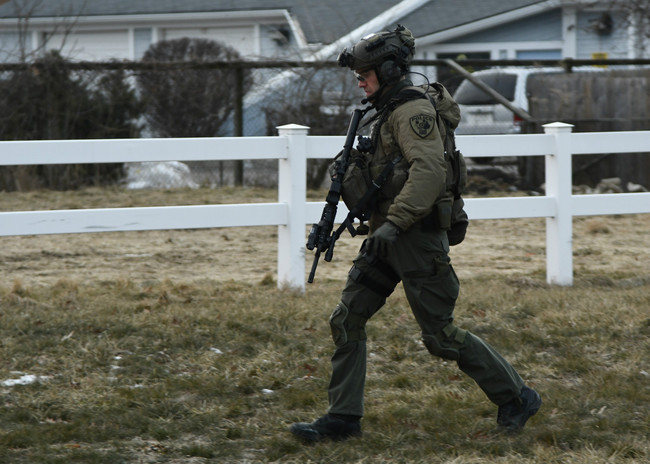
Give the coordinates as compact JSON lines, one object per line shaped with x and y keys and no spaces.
{"x":559,"y":229}
{"x":292,"y":190}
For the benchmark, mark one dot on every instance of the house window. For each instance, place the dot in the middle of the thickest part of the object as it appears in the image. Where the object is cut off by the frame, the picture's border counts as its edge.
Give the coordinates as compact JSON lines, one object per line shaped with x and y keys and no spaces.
{"x":10,"y":47}
{"x":539,"y":54}
{"x":142,"y":38}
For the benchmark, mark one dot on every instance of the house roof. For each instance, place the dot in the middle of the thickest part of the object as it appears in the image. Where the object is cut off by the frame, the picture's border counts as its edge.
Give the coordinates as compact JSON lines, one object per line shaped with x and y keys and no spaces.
{"x":322,"y":22}
{"x":441,"y":15}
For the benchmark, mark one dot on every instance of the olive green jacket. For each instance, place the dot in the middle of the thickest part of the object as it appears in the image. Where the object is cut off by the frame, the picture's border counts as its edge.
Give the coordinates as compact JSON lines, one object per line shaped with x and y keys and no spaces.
{"x":418,"y":180}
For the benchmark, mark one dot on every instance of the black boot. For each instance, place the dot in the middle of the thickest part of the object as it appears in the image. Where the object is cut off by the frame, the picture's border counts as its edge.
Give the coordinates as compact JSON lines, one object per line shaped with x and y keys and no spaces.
{"x":333,"y":427}
{"x":513,"y":415}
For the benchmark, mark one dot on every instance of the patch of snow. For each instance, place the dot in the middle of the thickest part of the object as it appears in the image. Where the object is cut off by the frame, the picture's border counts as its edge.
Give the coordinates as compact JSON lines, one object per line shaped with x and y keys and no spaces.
{"x":26,"y":379}
{"x":167,"y":174}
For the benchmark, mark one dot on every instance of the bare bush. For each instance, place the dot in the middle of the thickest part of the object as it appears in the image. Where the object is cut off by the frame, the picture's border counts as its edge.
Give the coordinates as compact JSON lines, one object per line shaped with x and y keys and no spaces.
{"x":187,"y":102}
{"x":49,"y":101}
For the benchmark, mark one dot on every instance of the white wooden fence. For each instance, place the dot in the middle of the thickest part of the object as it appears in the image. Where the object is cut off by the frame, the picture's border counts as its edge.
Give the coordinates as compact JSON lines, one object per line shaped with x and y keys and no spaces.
{"x":292,"y":212}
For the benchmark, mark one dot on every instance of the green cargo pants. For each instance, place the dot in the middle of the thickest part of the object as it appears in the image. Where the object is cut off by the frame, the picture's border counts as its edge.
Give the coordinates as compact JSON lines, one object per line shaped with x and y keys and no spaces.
{"x":420,"y":260}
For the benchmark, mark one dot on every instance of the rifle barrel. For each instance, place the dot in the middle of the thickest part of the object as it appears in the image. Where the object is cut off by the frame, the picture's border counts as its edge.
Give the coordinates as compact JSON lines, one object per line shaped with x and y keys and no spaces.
{"x":312,"y":273}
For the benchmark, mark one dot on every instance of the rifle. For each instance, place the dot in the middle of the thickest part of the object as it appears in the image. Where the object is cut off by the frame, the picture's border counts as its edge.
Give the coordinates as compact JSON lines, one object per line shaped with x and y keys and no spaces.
{"x":319,"y":235}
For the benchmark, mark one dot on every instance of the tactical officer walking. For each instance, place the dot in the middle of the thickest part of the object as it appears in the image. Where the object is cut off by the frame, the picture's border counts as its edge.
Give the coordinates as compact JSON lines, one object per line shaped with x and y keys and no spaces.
{"x":406,"y":244}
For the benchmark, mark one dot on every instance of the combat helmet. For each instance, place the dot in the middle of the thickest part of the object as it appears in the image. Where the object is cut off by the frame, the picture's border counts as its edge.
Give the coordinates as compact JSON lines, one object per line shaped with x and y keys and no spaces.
{"x":388,"y":53}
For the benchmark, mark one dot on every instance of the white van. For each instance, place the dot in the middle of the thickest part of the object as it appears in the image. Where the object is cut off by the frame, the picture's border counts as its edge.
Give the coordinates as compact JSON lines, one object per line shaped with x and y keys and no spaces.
{"x":481,"y":114}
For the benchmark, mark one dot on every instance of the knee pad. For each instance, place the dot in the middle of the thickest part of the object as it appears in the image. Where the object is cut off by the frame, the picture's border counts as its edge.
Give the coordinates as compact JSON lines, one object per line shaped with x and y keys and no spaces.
{"x":346,"y":327}
{"x":446,"y":343}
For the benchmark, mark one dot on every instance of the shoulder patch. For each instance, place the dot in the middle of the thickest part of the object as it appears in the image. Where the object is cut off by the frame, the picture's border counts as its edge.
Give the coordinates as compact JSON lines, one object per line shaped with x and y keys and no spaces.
{"x":422,"y":124}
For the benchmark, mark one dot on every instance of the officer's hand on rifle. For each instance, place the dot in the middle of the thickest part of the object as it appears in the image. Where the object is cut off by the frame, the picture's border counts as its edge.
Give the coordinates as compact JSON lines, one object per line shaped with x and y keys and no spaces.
{"x":382,"y":239}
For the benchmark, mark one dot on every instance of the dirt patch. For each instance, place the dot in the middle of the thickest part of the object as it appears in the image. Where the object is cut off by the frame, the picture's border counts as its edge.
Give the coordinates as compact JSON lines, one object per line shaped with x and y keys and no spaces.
{"x":612,"y":245}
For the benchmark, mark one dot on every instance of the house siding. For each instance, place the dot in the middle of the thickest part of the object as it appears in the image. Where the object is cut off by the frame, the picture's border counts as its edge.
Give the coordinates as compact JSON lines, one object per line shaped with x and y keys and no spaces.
{"x":541,"y":27}
{"x":276,"y":41}
{"x":615,"y":44}
{"x":240,"y":38}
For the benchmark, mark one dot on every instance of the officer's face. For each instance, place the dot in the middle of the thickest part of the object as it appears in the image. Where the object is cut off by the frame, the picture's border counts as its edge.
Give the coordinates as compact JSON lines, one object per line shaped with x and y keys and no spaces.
{"x":368,"y":81}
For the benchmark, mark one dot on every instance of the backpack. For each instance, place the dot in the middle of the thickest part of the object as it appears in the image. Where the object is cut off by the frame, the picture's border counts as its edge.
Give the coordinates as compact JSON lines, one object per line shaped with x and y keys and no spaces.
{"x":451,"y":213}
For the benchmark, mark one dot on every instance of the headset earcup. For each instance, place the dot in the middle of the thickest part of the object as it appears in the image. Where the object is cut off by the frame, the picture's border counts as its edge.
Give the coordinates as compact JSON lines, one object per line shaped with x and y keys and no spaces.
{"x":389,"y":72}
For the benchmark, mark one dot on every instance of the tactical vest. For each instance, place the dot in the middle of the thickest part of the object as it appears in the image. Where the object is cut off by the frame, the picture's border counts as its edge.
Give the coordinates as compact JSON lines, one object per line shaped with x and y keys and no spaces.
{"x":448,"y":213}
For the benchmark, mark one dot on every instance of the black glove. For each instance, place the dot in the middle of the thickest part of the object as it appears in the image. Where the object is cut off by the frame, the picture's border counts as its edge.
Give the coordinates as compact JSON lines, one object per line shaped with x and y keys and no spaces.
{"x":382,"y":239}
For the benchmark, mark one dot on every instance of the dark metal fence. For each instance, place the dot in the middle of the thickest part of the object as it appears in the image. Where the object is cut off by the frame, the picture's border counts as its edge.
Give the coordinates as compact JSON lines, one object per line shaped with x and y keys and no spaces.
{"x":42,"y":100}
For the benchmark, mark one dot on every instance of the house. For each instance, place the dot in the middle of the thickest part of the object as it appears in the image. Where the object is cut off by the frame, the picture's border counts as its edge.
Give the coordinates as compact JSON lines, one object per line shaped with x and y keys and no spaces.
{"x":317,"y":30}
{"x":302,"y":29}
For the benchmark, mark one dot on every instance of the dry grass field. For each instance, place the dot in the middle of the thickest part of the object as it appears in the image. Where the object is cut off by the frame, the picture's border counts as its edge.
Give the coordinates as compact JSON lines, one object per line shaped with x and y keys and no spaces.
{"x":177,"y":347}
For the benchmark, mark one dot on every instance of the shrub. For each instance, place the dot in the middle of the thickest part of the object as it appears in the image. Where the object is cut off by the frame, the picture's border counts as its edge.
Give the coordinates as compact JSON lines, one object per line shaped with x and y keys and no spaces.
{"x":48,"y":101}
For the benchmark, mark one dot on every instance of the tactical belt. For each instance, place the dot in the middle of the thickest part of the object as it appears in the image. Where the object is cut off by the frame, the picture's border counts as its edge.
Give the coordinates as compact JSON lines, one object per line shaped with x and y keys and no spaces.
{"x":430,"y":221}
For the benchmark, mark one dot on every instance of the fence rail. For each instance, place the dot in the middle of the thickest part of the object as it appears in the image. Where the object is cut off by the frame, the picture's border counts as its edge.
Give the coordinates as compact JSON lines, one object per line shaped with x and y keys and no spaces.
{"x":292,"y":212}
